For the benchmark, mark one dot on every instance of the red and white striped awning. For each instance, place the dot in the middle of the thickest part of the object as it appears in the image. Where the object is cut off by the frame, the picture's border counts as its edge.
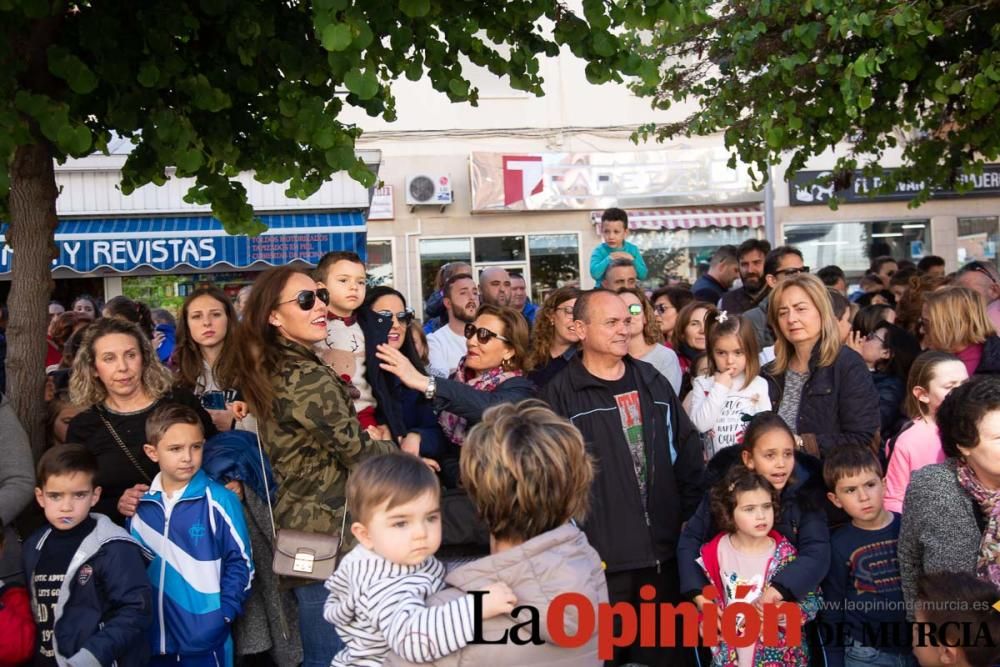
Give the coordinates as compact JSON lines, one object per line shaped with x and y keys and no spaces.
{"x":700,"y":217}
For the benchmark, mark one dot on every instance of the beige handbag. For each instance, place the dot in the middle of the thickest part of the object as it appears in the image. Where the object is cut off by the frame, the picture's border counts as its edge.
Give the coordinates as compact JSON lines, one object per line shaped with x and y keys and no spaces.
{"x":298,"y":553}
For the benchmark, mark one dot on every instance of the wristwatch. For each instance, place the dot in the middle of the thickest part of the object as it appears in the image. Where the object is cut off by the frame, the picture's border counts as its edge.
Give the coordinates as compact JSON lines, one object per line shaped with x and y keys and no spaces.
{"x":431,"y":388}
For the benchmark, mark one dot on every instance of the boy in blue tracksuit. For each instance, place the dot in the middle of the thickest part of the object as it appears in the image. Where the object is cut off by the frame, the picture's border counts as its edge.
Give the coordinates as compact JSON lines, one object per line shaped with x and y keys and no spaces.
{"x":195,"y":528}
{"x":90,"y":595}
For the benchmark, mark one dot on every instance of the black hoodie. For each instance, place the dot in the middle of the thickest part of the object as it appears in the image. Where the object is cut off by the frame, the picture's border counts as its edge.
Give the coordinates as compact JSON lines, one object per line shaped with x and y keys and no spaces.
{"x":801,"y":518}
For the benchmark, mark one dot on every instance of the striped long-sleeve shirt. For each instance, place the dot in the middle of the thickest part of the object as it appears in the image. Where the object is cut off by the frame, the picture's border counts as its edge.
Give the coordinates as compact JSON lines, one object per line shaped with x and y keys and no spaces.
{"x":377,"y":605}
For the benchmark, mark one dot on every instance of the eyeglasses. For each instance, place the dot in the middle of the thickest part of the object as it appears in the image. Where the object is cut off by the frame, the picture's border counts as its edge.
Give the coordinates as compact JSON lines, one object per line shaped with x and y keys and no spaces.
{"x":635,"y":309}
{"x":662,"y":308}
{"x":307,"y":298}
{"x":980,"y":268}
{"x":404,"y":316}
{"x":482,"y":334}
{"x":874,"y":336}
{"x":566,"y":310}
{"x":792,"y":272}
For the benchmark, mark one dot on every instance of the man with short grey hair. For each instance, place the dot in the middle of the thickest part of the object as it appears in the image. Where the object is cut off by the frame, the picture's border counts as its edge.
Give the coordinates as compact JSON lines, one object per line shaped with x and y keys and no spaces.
{"x":982,"y":277}
{"x":621,"y":273}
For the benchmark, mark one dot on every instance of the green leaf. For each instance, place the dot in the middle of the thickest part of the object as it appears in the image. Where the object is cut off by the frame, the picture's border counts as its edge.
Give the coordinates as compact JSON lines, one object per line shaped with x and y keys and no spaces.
{"x":459,"y":88}
{"x":364,"y":84}
{"x":604,"y":44}
{"x":865,"y":99}
{"x":337,"y":37}
{"x":190,"y":161}
{"x":149,"y":74}
{"x":415,"y":9}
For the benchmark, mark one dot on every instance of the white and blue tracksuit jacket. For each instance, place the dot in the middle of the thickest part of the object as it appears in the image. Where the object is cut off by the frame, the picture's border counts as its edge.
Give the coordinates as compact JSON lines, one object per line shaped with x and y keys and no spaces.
{"x":202,"y":569}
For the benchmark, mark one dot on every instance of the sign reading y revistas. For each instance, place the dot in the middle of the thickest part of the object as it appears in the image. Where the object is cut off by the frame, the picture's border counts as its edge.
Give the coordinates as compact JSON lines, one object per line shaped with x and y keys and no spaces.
{"x":199,"y":242}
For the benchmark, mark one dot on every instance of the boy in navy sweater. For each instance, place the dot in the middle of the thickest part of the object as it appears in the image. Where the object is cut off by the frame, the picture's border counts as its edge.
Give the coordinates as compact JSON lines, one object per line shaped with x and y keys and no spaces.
{"x":863,"y":590}
{"x":89,"y":591}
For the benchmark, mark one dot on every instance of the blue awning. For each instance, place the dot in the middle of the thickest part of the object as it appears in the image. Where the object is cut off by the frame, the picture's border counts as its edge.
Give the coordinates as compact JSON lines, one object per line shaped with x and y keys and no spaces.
{"x":199,"y":242}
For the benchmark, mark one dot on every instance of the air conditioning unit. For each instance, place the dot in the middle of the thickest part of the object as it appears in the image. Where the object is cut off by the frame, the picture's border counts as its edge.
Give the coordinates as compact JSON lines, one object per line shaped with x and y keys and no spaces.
{"x":429,"y":190}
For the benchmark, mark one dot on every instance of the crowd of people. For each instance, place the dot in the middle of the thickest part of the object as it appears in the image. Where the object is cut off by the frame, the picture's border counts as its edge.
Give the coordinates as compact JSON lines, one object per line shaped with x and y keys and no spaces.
{"x":760,"y":437}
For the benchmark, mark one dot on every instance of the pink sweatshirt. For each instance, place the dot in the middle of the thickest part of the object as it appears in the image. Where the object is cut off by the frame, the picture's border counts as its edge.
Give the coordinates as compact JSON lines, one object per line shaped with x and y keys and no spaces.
{"x":916,"y":447}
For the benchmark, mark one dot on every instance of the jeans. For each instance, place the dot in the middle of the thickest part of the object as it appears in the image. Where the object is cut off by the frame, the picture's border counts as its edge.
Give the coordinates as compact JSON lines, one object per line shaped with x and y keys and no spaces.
{"x":859,"y":655}
{"x":320,"y":641}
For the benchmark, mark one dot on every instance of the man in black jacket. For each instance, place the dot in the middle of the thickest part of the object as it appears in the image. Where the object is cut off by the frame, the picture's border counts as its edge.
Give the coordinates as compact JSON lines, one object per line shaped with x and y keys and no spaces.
{"x":649,"y":460}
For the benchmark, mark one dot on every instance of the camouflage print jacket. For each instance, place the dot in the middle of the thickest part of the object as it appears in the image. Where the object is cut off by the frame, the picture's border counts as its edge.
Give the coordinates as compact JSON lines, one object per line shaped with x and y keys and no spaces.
{"x":313,"y":439}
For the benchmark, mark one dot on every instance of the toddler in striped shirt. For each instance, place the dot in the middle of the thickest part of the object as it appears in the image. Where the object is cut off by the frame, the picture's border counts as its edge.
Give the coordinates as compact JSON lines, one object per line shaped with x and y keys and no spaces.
{"x":378,"y":594}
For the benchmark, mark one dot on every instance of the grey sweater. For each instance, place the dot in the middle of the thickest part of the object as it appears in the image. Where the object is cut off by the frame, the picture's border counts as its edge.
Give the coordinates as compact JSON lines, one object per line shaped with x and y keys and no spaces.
{"x":939,"y":531}
{"x":17,"y":483}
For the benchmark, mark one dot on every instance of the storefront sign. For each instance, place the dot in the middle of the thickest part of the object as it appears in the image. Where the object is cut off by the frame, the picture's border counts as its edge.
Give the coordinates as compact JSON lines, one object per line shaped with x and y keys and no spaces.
{"x":592,"y":181}
{"x":164,"y":244}
{"x":383,"y":207}
{"x":803,"y":192}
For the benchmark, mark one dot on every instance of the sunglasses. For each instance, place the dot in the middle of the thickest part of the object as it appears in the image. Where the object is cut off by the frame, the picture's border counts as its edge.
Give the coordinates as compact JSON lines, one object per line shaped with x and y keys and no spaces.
{"x":482,"y":334}
{"x":791,"y":272}
{"x":662,"y":308}
{"x":404,"y":316}
{"x":307,"y":298}
{"x":979,"y":268}
{"x":635,"y":309}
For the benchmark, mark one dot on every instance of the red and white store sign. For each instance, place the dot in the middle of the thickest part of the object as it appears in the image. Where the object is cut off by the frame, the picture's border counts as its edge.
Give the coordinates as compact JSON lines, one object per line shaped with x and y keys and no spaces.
{"x":677,"y":176}
{"x":691,"y":218}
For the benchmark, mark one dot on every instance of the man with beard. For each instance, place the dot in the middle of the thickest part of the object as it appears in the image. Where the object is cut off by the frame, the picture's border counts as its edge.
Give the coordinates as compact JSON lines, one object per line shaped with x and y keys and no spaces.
{"x":648,"y":457}
{"x":446,"y":346}
{"x":494,"y":286}
{"x":751,"y":255}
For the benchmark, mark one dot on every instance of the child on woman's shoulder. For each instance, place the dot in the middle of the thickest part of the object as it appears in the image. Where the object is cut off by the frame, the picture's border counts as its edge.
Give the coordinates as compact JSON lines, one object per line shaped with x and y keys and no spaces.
{"x":744,"y":558}
{"x":863,"y":587}
{"x":732,"y":390}
{"x":378,"y":594}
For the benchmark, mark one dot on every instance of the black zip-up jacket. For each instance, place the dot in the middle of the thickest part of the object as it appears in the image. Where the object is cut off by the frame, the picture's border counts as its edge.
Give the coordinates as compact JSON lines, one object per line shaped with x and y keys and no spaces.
{"x":627,"y":535}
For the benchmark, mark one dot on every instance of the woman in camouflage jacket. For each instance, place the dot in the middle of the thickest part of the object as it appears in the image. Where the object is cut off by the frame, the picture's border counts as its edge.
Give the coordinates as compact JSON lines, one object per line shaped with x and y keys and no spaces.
{"x":307,"y":424}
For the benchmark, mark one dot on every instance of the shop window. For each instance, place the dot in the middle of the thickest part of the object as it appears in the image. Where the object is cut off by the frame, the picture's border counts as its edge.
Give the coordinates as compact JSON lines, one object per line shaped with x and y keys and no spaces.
{"x":678,"y":253}
{"x":379,"y":263}
{"x":170,"y":291}
{"x":435,"y":253}
{"x":852,"y":245}
{"x":499,"y":249}
{"x":555,"y":261}
{"x":977,"y":239}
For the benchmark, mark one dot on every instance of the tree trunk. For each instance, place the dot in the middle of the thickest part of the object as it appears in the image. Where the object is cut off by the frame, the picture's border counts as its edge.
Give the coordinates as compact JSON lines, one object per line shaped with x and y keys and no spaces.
{"x":31,"y":236}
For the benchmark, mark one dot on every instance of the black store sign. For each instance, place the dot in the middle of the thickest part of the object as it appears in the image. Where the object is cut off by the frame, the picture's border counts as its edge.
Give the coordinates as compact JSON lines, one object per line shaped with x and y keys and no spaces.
{"x":803,"y":192}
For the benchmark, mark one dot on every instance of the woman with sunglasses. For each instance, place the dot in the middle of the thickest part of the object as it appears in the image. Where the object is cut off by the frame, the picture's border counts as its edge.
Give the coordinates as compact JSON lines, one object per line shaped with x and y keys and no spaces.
{"x":209,"y":360}
{"x":307,"y":425}
{"x":954,"y":320}
{"x":553,"y":341}
{"x":667,"y":304}
{"x":492,"y":372}
{"x":644,"y":333}
{"x":386,"y":320}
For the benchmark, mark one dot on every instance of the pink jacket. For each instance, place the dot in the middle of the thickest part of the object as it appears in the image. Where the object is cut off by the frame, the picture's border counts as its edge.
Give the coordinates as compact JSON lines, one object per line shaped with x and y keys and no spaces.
{"x":916,"y":447}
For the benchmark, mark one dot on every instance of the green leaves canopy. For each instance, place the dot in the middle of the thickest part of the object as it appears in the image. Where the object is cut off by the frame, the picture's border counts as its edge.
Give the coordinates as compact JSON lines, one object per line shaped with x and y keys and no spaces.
{"x":801,"y":76}
{"x":217,"y":87}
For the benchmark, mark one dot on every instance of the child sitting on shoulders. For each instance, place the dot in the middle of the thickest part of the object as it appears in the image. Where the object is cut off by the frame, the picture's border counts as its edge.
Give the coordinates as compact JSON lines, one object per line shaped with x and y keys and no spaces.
{"x":377,"y":595}
{"x":614,"y":231}
{"x":863,"y":587}
{"x":733,"y":388}
{"x":742,"y":561}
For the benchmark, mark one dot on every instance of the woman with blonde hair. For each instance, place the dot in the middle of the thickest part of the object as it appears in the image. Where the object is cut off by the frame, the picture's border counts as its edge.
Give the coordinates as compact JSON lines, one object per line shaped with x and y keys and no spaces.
{"x":119,"y":382}
{"x":954,"y":320}
{"x":644,"y":337}
{"x":553,"y":341}
{"x":822,"y":388}
{"x":528,"y":474}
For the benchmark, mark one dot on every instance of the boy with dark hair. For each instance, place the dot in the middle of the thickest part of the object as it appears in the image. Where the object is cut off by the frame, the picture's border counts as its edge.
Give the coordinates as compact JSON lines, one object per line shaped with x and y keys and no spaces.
{"x":195,"y":528}
{"x":614,"y":231}
{"x":863,"y":589}
{"x":931,"y":265}
{"x":833,"y":277}
{"x":89,"y":591}
{"x":377,"y":595}
{"x":345,"y":349}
